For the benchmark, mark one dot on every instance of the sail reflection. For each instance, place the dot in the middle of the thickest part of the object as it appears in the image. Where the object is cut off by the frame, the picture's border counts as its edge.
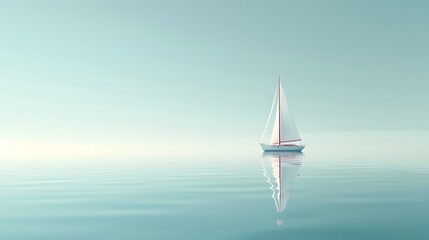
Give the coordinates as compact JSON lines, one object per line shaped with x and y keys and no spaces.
{"x":281,"y":170}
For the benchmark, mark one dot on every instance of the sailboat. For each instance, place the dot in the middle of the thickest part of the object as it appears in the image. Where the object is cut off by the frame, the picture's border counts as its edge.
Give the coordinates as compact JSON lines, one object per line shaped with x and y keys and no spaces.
{"x":285,"y":136}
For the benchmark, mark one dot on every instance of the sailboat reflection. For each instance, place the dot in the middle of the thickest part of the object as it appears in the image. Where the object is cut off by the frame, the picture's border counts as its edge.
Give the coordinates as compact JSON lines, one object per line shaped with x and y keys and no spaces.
{"x":281,"y":170}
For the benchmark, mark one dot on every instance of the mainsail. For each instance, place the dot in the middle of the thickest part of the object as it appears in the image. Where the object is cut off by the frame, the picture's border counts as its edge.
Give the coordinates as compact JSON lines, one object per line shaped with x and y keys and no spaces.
{"x":284,"y":129}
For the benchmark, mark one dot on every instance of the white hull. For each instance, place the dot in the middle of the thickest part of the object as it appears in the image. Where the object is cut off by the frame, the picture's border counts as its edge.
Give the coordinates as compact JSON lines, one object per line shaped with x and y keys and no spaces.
{"x":284,"y":148}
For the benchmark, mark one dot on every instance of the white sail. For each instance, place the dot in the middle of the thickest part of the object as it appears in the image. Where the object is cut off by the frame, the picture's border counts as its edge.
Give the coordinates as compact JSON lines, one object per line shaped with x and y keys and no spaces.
{"x":283,"y":124}
{"x":269,"y":118}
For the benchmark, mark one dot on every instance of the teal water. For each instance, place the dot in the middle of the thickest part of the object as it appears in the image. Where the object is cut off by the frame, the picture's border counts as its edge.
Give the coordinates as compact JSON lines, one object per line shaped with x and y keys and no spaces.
{"x":254,"y":196}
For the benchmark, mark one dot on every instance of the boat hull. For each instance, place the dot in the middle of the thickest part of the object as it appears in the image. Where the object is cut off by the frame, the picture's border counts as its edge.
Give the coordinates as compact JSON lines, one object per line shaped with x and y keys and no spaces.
{"x":283,"y":148}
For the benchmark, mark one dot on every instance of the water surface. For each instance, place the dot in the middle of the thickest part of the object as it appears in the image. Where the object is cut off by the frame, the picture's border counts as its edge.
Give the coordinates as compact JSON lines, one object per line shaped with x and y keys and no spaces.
{"x":255,"y":196}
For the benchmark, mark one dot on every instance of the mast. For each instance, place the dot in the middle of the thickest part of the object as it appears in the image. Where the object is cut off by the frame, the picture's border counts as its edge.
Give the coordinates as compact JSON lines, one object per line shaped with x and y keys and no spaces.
{"x":279,"y":111}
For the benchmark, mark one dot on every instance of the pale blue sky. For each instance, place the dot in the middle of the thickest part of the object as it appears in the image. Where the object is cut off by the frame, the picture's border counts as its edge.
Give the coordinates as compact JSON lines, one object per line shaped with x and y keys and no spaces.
{"x":170,"y":69}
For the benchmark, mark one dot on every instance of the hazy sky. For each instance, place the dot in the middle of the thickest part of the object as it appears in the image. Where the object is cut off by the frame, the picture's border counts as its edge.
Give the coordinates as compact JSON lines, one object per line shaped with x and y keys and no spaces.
{"x":174,"y":70}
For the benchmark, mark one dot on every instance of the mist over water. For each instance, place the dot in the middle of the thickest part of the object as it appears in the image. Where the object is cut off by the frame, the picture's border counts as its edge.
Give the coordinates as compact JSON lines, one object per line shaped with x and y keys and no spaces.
{"x":242,"y":195}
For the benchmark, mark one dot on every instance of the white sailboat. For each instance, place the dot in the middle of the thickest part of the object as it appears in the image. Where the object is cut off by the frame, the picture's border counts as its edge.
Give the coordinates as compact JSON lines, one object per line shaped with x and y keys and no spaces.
{"x":285,"y":136}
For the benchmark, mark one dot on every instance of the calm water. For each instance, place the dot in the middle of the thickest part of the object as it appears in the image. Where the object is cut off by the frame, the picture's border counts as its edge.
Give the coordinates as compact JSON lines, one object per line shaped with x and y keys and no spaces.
{"x":255,"y":196}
